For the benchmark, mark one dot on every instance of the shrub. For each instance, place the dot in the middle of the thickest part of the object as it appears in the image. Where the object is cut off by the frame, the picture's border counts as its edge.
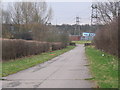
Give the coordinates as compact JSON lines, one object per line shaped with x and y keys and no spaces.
{"x":106,"y":38}
{"x":72,"y":44}
{"x":58,"y":45}
{"x":17,"y":48}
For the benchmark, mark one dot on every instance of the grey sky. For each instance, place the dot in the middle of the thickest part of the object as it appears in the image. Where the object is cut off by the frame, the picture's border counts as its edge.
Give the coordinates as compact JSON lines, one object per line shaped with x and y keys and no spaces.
{"x":65,"y":12}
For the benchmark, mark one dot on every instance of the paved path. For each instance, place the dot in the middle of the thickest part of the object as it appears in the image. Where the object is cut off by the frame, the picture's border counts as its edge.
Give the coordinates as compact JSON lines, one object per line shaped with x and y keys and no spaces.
{"x":68,"y":70}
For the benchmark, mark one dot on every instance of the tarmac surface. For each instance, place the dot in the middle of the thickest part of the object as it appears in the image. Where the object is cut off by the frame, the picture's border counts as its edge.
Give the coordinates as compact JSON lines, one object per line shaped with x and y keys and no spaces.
{"x":68,"y":70}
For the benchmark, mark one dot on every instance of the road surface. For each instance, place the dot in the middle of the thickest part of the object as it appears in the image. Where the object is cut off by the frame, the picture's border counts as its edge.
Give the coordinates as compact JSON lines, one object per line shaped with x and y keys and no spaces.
{"x":68,"y":70}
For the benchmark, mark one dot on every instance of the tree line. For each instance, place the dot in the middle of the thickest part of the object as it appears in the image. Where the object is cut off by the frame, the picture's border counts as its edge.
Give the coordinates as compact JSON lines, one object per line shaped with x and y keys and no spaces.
{"x":77,"y":29}
{"x":30,"y":20}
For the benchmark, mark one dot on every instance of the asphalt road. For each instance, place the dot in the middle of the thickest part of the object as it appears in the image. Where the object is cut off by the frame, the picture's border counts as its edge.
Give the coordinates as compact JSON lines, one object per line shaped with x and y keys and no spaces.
{"x":68,"y":70}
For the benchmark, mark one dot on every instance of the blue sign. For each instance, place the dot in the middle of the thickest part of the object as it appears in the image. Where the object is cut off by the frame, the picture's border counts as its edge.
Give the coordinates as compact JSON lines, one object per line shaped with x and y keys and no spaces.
{"x":88,"y":34}
{"x":85,"y":34}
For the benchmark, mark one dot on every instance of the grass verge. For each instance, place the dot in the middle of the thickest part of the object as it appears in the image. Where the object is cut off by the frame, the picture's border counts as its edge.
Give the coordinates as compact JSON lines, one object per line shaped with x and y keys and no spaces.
{"x":14,"y":66}
{"x":104,"y":68}
{"x":81,"y":42}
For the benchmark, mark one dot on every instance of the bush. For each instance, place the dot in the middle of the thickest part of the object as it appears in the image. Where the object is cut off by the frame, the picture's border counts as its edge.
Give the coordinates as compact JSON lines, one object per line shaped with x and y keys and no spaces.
{"x":106,"y":38}
{"x":87,"y":44}
{"x":58,"y":45}
{"x":23,"y":35}
{"x":17,"y":48}
{"x":72,"y":44}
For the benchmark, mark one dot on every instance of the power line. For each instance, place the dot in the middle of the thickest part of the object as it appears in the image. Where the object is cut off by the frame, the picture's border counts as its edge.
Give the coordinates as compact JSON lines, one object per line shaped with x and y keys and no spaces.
{"x":77,"y":20}
{"x":77,"y":27}
{"x":94,"y":15}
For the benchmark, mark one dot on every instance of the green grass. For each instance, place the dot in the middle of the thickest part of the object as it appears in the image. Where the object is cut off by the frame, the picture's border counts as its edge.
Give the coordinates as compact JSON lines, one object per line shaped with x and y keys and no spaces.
{"x":14,"y":66}
{"x":104,"y":69}
{"x":81,"y":42}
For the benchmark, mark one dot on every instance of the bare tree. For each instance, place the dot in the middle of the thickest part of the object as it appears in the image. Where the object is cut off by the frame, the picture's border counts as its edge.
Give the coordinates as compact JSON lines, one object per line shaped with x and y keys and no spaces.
{"x":29,"y":12}
{"x":0,"y":13}
{"x":106,"y":37}
{"x":5,"y":17}
{"x":42,"y":14}
{"x":26,"y":12}
{"x":48,"y":16}
{"x":15,"y":11}
{"x":107,"y":11}
{"x":0,"y":23}
{"x":28,"y":16}
{"x":40,"y":17}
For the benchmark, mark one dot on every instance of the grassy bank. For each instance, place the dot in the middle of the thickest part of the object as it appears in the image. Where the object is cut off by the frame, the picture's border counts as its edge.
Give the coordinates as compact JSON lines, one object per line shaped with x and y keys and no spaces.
{"x":14,"y":66}
{"x":81,"y":42}
{"x":104,"y":68}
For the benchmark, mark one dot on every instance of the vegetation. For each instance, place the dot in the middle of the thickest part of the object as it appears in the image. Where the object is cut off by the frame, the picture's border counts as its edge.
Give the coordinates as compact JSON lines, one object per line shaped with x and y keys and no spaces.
{"x":71,"y":28}
{"x":24,"y":16}
{"x":81,"y":42}
{"x":14,"y":66}
{"x":106,"y":37}
{"x":16,"y":48}
{"x":104,"y":68}
{"x":30,"y":21}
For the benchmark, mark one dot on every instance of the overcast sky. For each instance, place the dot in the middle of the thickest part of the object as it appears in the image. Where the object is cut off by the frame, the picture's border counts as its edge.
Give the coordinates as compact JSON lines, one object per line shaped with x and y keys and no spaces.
{"x":65,"y":12}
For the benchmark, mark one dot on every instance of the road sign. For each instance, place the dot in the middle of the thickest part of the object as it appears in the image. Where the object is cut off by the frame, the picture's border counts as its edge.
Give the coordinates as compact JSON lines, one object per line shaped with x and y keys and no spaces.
{"x":88,"y":34}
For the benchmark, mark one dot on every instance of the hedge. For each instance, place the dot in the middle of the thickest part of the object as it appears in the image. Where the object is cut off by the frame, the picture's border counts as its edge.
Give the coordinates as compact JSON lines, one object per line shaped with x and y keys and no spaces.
{"x":17,"y":48}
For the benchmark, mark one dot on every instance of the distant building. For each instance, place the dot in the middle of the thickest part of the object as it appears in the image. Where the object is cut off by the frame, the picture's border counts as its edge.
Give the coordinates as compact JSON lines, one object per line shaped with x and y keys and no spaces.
{"x":87,"y":36}
{"x":74,"y":37}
